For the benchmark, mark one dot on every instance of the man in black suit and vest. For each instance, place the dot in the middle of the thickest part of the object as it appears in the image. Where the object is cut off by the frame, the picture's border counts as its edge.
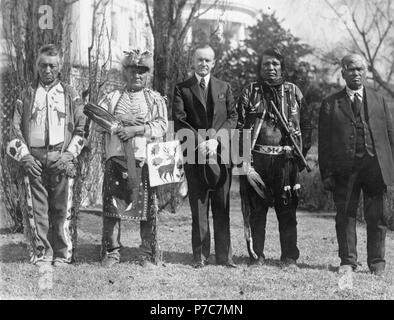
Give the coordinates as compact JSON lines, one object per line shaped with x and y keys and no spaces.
{"x":356,"y":152}
{"x":204,"y":102}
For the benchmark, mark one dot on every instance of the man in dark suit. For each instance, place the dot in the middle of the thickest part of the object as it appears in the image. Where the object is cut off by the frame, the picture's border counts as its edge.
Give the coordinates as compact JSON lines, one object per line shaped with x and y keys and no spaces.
{"x":356,"y":152}
{"x":201,"y":103}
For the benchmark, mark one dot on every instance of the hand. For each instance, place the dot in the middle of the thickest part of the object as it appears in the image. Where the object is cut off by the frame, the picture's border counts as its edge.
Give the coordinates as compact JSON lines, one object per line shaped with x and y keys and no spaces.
{"x":31,"y":165}
{"x":63,"y":164}
{"x":125,"y":133}
{"x":211,"y":146}
{"x":291,"y":127}
{"x":246,"y":167}
{"x":208,"y":147}
{"x":256,"y":182}
{"x":130,"y":120}
{"x":329,"y":184}
{"x":202,"y":147}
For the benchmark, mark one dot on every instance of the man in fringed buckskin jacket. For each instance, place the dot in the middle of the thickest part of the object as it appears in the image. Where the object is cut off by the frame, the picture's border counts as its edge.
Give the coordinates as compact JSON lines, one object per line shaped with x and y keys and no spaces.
{"x":46,"y":138}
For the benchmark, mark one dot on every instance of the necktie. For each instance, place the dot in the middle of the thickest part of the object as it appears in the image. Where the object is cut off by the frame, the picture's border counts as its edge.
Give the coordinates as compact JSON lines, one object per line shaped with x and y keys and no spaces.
{"x":202,"y":85}
{"x":203,"y":88}
{"x":356,"y":104}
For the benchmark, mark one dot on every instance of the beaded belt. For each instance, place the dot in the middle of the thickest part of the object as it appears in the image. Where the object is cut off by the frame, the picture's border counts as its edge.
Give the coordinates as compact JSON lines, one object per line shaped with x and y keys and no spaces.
{"x":271,"y":150}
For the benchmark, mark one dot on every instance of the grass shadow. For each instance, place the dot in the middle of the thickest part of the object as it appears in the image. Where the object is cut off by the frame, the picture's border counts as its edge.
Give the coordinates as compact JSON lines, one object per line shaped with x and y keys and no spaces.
{"x":240,"y":260}
{"x":177,"y":257}
{"x":91,"y":253}
{"x":244,"y":260}
{"x":131,"y":254}
{"x":88,"y":253}
{"x":317,"y":267}
{"x":14,"y":252}
{"x":185,"y":258}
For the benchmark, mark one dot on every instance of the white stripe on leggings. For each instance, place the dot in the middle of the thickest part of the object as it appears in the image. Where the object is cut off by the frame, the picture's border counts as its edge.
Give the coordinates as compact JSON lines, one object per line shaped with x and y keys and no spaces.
{"x":66,"y":226}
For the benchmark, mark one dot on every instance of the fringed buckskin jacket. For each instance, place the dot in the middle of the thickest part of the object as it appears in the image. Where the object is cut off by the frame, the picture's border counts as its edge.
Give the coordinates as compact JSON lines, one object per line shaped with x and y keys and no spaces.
{"x":75,"y":120}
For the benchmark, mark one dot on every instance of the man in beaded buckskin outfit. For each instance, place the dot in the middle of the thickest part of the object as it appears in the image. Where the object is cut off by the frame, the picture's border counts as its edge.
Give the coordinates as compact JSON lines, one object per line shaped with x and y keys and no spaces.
{"x":145,"y":113}
{"x":271,"y":177}
{"x":46,"y":138}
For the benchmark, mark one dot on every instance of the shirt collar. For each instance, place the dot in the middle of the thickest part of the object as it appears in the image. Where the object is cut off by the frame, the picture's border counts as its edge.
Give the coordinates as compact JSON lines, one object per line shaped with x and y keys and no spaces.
{"x":49,"y":87}
{"x":351,"y":92}
{"x":206,"y":78}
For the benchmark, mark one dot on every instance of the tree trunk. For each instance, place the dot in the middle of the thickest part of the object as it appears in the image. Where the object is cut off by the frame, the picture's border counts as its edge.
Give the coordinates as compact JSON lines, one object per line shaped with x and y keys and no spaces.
{"x":161,"y":12}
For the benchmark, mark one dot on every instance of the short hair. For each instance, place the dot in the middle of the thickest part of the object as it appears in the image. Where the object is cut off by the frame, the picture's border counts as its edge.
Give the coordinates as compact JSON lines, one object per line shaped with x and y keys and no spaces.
{"x":49,"y":50}
{"x":273,"y":52}
{"x":351,"y":57}
{"x":204,"y":46}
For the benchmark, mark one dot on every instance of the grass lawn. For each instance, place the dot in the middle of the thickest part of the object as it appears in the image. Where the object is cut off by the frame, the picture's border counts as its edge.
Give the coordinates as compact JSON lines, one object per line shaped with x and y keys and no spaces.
{"x":176,"y":278}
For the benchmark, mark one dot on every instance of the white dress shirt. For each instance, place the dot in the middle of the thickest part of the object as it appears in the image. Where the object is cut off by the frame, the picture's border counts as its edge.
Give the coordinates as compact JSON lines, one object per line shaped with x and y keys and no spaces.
{"x":351,"y":93}
{"x":206,"y":78}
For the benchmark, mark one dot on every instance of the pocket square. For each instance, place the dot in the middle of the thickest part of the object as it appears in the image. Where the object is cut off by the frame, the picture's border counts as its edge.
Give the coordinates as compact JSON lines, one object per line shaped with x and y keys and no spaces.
{"x":222,"y":96}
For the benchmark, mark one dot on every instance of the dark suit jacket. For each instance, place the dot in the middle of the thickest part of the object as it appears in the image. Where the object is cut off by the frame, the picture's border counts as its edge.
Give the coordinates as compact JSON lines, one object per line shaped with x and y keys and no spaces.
{"x":190,"y":111}
{"x":337,"y":135}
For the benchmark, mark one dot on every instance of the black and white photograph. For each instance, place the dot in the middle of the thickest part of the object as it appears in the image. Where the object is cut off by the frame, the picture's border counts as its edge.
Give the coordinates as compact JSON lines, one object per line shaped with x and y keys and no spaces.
{"x":197,"y":155}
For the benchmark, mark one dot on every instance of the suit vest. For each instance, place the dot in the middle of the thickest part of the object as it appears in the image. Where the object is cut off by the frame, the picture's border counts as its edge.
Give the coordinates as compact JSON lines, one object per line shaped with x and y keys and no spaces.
{"x":364,"y":142}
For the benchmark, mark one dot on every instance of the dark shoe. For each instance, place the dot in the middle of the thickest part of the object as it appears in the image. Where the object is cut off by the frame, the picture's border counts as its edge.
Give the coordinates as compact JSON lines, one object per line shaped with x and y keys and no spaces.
{"x":110,"y":259}
{"x":378,"y":272}
{"x":289,"y":264}
{"x":256,"y":262}
{"x":230,"y":265}
{"x":61,"y":263}
{"x":145,"y":262}
{"x":201,"y":263}
{"x":344,"y":269}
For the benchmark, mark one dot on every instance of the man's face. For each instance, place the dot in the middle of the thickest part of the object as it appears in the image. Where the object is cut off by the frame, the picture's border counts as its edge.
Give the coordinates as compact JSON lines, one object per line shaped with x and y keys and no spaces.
{"x":203,"y":61}
{"x":135,"y":78}
{"x":354,"y":74}
{"x":48,"y":68}
{"x":270,"y":69}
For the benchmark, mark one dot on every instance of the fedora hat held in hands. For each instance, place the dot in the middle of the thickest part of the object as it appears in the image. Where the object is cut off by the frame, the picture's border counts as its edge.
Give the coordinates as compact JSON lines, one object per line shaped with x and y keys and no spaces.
{"x":213,"y":171}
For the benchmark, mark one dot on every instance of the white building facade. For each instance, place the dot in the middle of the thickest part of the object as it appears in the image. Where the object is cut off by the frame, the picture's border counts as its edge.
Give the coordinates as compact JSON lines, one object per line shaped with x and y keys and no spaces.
{"x":127,"y":25}
{"x":229,"y":19}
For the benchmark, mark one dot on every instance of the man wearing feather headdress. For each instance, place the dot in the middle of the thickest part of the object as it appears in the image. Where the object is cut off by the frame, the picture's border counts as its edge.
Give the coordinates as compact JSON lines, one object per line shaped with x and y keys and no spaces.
{"x":143,"y":114}
{"x":46,"y":138}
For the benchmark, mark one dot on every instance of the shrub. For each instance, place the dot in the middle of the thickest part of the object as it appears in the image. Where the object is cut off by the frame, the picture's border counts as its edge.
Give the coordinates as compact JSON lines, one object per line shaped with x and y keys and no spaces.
{"x":313,"y":196}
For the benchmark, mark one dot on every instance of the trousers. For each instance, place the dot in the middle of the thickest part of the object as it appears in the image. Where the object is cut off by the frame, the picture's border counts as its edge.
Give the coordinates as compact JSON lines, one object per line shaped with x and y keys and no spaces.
{"x":271,"y":170}
{"x":200,"y":199}
{"x":52,"y":203}
{"x":368,"y":178}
